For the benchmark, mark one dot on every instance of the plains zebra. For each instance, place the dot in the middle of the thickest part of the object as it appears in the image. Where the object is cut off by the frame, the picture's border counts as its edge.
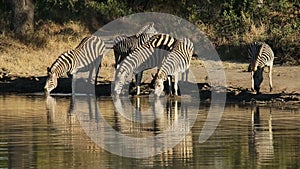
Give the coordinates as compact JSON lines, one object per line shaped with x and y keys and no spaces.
{"x":261,"y":55}
{"x":147,"y":56}
{"x":90,"y":49}
{"x":124,"y":45}
{"x":177,"y":61}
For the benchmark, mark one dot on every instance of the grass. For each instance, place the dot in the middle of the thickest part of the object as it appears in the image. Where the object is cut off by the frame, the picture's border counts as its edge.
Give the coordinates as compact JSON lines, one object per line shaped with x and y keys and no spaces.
{"x":31,"y":55}
{"x":25,"y":58}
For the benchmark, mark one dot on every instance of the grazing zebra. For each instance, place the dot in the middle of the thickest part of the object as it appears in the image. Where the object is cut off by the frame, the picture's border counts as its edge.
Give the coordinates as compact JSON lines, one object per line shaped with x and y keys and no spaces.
{"x":261,"y":55}
{"x":89,"y":50}
{"x":147,"y":56}
{"x":177,"y":61}
{"x":124,"y":45}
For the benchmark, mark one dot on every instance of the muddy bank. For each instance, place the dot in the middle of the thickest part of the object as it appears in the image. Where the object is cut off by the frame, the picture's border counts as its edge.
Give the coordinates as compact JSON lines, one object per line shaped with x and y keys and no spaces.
{"x":32,"y":85}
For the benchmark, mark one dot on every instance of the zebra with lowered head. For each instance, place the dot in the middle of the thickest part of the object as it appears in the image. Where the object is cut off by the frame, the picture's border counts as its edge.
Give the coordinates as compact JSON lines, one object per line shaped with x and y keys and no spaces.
{"x":261,"y":56}
{"x":178,"y":61}
{"x":90,"y":49}
{"x":125,"y":45}
{"x":147,"y":56}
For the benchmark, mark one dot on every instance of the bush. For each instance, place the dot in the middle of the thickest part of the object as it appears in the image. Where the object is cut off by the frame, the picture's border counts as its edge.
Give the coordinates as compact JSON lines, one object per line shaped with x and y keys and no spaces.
{"x":231,"y":25}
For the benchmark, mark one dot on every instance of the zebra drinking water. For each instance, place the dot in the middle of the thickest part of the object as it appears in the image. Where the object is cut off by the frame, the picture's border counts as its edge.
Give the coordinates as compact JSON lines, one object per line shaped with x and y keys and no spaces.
{"x":177,"y":61}
{"x":125,"y":45}
{"x":147,"y":56}
{"x":261,"y":55}
{"x":90,"y":49}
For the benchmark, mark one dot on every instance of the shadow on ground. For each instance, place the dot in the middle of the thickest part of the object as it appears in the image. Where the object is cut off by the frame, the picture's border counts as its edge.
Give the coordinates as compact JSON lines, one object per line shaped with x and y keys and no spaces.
{"x":17,"y":85}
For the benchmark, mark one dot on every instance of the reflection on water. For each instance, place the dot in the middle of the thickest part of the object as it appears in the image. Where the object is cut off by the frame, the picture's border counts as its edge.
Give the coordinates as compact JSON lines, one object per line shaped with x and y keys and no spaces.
{"x":141,"y":129}
{"x":51,"y":132}
{"x":261,"y":141}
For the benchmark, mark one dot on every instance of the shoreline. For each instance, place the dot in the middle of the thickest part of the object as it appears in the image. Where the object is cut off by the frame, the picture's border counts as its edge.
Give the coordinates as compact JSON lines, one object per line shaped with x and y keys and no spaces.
{"x":34,"y":86}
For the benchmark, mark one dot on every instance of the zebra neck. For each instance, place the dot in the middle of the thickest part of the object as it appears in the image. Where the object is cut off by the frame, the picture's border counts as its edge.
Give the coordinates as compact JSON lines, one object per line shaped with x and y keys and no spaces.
{"x":60,"y":69}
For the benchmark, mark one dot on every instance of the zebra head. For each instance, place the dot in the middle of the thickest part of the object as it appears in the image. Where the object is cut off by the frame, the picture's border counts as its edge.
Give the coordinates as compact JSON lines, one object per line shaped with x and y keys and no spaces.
{"x":258,"y":78}
{"x":148,"y":28}
{"x":119,"y":83}
{"x":51,"y":82}
{"x":159,"y":85}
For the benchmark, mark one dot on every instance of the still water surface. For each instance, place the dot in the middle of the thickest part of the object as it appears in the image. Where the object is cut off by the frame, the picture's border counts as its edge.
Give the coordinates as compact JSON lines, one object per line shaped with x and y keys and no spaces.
{"x":39,"y":132}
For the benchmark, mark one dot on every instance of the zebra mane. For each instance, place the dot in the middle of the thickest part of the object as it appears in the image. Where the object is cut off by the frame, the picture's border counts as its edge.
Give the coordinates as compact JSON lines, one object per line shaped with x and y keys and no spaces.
{"x":257,"y":46}
{"x":83,"y":41}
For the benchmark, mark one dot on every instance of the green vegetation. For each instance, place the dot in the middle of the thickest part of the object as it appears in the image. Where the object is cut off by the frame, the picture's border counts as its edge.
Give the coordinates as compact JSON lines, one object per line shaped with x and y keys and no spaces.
{"x":231,"y":25}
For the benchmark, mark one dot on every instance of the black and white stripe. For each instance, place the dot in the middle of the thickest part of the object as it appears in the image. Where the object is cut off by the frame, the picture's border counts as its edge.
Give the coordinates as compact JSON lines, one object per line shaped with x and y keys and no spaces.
{"x":178,"y":61}
{"x":124,"y":45}
{"x":89,"y":49}
{"x":149,"y":55}
{"x":261,"y":55}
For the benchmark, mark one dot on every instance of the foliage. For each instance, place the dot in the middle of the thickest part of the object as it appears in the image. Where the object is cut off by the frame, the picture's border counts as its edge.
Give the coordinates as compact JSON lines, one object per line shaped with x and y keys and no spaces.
{"x":230,"y":24}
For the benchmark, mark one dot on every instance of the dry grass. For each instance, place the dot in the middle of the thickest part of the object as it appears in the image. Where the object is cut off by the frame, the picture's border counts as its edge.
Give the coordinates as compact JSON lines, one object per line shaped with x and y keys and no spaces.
{"x":256,"y":33}
{"x":24,"y":59}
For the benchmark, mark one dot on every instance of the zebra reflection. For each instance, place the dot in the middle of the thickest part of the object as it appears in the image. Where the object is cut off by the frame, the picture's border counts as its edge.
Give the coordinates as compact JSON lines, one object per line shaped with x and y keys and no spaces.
{"x":141,"y":117}
{"x":261,"y":141}
{"x":59,"y":113}
{"x":138,"y":113}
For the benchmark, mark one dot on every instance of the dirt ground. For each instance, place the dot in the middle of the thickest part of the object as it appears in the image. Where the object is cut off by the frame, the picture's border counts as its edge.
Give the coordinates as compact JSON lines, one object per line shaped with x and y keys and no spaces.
{"x":286,"y":83}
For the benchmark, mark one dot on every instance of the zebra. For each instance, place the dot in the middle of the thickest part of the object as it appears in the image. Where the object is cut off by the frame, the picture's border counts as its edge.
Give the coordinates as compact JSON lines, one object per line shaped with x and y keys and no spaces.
{"x":89,"y":49}
{"x":177,"y":61}
{"x":261,"y":55}
{"x":124,"y":45}
{"x":147,"y":56}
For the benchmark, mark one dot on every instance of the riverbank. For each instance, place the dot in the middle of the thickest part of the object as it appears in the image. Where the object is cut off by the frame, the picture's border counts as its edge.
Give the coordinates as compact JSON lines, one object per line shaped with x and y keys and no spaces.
{"x":286,"y":81}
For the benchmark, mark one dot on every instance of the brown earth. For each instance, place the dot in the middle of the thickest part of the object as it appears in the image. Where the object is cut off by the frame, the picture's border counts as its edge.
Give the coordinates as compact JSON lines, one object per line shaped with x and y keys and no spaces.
{"x":286,"y":83}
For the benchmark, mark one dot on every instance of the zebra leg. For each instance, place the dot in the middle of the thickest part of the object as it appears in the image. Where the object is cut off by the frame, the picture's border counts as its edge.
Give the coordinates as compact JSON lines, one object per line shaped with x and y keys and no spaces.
{"x":270,"y":77}
{"x":176,"y":84}
{"x":73,"y":83}
{"x":138,"y":78}
{"x":170,"y":84}
{"x":252,"y":82}
{"x":186,"y":75}
{"x":182,"y":76}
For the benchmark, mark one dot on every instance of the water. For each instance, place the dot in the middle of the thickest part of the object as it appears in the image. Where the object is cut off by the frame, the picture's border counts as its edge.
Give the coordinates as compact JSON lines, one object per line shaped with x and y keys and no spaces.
{"x":39,"y":132}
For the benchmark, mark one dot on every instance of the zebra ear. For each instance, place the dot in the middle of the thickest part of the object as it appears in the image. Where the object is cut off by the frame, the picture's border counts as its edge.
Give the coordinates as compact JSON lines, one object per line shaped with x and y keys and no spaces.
{"x":153,"y":75}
